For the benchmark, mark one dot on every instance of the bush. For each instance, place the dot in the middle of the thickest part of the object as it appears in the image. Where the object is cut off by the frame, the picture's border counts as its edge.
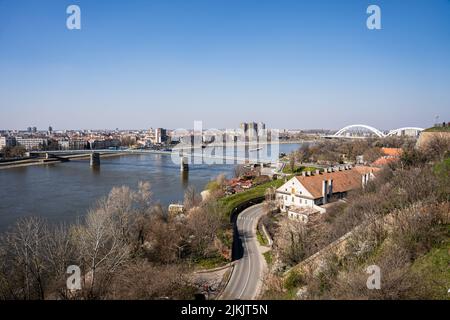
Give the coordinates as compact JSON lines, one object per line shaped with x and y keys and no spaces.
{"x":293,"y":280}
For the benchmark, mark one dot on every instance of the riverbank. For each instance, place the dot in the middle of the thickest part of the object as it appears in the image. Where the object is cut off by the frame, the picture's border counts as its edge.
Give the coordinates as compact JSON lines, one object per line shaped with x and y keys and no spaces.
{"x":28,"y":162}
{"x":40,"y":161}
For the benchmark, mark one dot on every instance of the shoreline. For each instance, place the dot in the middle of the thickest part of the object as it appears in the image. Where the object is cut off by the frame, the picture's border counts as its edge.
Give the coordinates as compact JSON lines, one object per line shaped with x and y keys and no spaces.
{"x":39,"y":162}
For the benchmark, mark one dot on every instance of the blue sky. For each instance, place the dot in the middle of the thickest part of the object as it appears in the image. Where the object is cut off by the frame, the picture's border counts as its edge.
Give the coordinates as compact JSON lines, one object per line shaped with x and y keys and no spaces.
{"x":166,"y":63}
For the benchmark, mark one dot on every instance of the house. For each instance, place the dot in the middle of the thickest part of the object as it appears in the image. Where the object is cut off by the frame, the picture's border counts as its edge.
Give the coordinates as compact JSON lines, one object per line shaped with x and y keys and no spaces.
{"x":304,"y":195}
{"x":390,"y":155}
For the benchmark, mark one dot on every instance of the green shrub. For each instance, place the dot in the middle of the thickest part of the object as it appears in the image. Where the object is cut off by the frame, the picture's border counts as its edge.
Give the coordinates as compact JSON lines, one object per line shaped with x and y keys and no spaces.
{"x":294,"y":280}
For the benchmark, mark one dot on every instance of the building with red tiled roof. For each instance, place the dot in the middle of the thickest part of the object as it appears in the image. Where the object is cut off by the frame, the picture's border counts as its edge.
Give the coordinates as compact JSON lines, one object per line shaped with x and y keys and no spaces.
{"x":392,"y":152}
{"x":313,"y":190}
{"x":390,"y":155}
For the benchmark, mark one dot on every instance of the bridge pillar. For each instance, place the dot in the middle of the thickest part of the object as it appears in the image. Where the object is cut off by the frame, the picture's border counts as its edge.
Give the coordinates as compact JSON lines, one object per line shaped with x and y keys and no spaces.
{"x":184,"y":166}
{"x":95,"y":159}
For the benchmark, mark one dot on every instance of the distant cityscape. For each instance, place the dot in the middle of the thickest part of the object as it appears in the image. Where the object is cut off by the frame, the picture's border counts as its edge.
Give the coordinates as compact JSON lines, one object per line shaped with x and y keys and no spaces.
{"x":33,"y":139}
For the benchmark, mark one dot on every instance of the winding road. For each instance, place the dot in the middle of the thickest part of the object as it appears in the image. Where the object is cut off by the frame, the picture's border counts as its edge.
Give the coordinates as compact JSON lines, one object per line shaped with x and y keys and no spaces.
{"x":246,"y":279}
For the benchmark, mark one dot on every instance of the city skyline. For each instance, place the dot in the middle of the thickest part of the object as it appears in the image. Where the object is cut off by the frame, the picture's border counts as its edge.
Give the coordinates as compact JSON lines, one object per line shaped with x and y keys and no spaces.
{"x":289,"y":64}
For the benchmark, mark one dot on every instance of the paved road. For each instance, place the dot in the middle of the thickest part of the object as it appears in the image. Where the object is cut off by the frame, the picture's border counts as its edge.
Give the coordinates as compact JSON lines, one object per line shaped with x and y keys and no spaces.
{"x":246,"y":279}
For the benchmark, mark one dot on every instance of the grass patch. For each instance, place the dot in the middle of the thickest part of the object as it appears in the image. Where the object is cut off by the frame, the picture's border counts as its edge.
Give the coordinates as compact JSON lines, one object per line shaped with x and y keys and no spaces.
{"x":232,"y":201}
{"x":276,"y":295}
{"x":434,"y":269}
{"x":226,"y":236}
{"x":261,"y":238}
{"x":293,"y":280}
{"x":268,"y":255}
{"x":211,"y":262}
{"x":438,"y":129}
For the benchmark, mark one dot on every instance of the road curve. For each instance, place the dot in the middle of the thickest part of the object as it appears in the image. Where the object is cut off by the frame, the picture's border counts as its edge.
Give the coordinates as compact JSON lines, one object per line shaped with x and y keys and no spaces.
{"x":246,"y":278}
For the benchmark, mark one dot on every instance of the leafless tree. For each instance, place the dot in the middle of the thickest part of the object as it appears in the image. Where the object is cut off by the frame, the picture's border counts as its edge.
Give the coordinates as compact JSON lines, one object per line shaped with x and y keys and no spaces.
{"x":191,"y":198}
{"x":101,"y":249}
{"x":438,"y":147}
{"x":143,"y":280}
{"x":290,"y":242}
{"x":23,"y":274}
{"x":239,"y":170}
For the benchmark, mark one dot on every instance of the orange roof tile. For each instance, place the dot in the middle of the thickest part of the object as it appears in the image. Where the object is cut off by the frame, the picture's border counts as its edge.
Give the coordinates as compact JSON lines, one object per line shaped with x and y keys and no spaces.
{"x":342,"y":180}
{"x":394,"y":152}
{"x":382,"y":161}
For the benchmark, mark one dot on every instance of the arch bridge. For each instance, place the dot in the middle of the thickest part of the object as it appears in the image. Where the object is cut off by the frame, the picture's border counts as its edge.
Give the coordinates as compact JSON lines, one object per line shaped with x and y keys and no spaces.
{"x":341,"y":133}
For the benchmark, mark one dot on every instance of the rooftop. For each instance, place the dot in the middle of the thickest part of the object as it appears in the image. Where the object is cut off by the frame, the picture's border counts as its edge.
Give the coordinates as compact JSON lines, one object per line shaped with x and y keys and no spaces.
{"x":342,"y":180}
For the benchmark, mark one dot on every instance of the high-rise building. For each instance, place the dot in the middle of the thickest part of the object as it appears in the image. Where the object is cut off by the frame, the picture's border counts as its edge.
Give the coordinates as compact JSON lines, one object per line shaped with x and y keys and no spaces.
{"x":50,"y":130}
{"x":160,"y":135}
{"x":252,"y":128}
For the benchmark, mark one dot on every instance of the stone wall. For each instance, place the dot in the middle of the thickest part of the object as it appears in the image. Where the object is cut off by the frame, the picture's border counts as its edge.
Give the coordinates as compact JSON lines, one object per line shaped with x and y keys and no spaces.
{"x":426,"y":137}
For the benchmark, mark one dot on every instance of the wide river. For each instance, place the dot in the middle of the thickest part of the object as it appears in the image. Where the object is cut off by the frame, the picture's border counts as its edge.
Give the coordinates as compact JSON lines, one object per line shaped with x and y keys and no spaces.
{"x":65,"y":191}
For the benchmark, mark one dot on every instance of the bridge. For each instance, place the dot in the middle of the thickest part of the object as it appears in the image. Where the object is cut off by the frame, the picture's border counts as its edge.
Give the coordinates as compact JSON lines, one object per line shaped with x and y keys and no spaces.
{"x":73,"y":154}
{"x":344,"y":132}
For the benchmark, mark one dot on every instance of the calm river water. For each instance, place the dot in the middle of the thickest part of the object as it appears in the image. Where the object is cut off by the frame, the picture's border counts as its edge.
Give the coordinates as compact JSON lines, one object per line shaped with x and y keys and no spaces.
{"x":65,"y":191}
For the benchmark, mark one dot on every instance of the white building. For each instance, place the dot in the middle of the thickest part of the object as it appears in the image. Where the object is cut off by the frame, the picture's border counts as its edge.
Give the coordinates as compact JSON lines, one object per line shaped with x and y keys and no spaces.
{"x":303,"y":195}
{"x":7,"y":142}
{"x":32,"y":143}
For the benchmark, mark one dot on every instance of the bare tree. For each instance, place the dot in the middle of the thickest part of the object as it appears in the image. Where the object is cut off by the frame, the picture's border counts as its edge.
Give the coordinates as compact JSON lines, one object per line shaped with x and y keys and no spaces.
{"x":239,"y":170}
{"x":438,"y":147}
{"x":24,"y":267}
{"x":292,"y":162}
{"x":290,"y":242}
{"x":191,"y":198}
{"x":143,"y":280}
{"x":101,"y":249}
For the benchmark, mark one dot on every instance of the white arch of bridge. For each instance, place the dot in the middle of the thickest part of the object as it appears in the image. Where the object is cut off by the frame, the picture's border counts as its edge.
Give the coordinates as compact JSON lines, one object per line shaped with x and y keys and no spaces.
{"x":372,"y":129}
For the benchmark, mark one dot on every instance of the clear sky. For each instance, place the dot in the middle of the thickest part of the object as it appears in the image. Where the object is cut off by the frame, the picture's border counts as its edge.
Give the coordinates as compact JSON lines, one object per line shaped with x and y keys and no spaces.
{"x":165,"y":63}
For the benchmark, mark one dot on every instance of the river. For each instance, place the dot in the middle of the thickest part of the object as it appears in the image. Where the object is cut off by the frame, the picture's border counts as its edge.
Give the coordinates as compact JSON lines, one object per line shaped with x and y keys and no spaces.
{"x":63,"y":192}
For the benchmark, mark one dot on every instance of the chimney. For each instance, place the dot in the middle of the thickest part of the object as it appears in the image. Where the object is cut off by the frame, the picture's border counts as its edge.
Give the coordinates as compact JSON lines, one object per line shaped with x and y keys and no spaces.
{"x":308,"y":173}
{"x":303,"y":173}
{"x":317,"y":171}
{"x":324,"y":191}
{"x":330,"y":187}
